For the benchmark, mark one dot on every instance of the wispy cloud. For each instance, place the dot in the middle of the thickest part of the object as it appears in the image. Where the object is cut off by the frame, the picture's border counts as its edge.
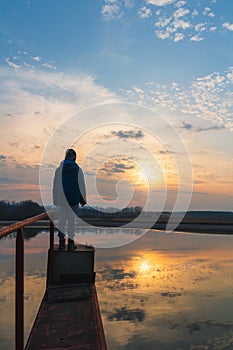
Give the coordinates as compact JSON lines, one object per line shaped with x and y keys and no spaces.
{"x":209,"y":97}
{"x":115,"y":9}
{"x":187,"y":126}
{"x":228,"y":26}
{"x":162,"y":34}
{"x":196,"y":37}
{"x":7,"y":180}
{"x":173,"y":20}
{"x":177,"y":23}
{"x":36,"y":58}
{"x":144,"y":12}
{"x":111,"y":11}
{"x":159,"y":2}
{"x":180,"y":12}
{"x":29,"y":97}
{"x":12,"y":64}
{"x":210,"y":128}
{"x":128,"y":134}
{"x":191,"y":127}
{"x":116,"y":166}
{"x":49,"y":65}
{"x":33,"y":104}
{"x":22,"y":59}
{"x":178,"y":37}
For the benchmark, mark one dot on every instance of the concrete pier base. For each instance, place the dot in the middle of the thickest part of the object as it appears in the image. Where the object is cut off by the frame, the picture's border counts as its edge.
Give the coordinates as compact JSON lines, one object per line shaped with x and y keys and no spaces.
{"x":72,"y":266}
{"x":69,"y":315}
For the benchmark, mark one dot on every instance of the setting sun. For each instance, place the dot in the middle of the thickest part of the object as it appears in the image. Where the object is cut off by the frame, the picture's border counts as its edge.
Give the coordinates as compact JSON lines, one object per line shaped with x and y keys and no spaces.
{"x":139,"y":178}
{"x":145,"y":266}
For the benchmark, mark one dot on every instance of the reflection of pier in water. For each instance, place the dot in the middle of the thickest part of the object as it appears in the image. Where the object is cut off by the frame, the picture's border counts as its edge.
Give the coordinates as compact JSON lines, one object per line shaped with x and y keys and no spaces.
{"x":69,"y":315}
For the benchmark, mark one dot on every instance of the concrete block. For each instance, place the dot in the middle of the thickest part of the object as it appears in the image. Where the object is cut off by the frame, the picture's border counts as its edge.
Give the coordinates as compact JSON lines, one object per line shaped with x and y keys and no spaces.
{"x":74,"y":266}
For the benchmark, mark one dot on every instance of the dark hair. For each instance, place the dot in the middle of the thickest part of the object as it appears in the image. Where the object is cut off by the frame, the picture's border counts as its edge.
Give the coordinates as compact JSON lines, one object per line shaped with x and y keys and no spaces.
{"x":70,"y":154}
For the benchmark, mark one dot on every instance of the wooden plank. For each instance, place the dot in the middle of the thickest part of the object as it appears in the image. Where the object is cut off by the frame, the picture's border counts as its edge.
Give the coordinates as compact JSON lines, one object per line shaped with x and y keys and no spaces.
{"x":71,"y":325}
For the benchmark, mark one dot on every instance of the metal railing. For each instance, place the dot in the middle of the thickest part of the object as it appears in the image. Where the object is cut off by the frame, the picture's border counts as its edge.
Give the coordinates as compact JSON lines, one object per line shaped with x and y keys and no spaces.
{"x":19,"y":271}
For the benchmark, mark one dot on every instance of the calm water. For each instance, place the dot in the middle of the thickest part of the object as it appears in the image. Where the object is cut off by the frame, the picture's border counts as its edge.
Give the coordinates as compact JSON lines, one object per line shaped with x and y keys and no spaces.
{"x":164,"y":291}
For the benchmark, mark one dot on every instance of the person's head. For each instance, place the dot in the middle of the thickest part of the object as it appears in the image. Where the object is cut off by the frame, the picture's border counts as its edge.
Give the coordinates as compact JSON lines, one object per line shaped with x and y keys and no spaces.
{"x":70,"y":154}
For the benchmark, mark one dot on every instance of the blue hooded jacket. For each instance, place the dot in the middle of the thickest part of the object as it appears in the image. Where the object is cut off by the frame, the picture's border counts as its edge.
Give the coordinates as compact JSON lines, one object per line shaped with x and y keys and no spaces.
{"x":69,"y":184}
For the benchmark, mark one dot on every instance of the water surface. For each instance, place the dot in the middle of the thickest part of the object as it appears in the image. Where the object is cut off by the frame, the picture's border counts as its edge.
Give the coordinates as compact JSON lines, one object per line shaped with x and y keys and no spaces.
{"x":164,"y":291}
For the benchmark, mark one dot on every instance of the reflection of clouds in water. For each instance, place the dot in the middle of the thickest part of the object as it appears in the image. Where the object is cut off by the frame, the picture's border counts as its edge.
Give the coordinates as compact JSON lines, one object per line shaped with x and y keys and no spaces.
{"x":182,"y":292}
{"x":34,"y":284}
{"x":217,"y":343}
{"x":125,"y":314}
{"x":7,"y":310}
{"x":150,"y":269}
{"x":171,"y":294}
{"x":138,"y":341}
{"x":34,"y":287}
{"x":117,"y":278}
{"x":163,"y":291}
{"x":118,"y":274}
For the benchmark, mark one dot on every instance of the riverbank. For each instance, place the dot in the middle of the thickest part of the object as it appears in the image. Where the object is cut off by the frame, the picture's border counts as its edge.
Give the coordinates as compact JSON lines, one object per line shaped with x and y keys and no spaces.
{"x":182,"y":227}
{"x":199,"y":227}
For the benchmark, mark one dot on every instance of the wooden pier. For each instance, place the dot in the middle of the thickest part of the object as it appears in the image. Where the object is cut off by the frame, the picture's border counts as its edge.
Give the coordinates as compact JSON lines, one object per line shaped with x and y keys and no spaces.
{"x":69,"y":315}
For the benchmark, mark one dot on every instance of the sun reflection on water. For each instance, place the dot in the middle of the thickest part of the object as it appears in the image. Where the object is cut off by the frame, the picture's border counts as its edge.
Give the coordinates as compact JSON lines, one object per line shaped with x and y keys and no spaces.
{"x":160,"y":296}
{"x":163,"y":291}
{"x":145,"y":266}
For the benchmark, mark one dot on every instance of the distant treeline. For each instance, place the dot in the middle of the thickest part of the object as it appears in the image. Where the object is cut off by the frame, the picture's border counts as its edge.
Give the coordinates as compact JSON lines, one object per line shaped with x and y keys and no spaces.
{"x":163,"y":217}
{"x":25,"y":209}
{"x":19,"y":210}
{"x":225,"y":217}
{"x":95,"y":212}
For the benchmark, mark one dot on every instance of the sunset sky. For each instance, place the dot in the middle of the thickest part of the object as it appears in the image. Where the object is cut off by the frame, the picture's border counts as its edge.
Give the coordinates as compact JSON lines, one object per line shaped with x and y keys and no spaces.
{"x":143,"y":90}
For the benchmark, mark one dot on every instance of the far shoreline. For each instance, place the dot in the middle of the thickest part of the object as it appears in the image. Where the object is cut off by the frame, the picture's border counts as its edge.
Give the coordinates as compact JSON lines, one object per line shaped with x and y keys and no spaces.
{"x":206,"y":228}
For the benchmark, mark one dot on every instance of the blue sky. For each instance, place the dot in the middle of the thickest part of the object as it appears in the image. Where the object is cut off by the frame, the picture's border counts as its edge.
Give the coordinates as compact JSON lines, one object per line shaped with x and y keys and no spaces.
{"x":114,"y":39}
{"x":174,"y":57}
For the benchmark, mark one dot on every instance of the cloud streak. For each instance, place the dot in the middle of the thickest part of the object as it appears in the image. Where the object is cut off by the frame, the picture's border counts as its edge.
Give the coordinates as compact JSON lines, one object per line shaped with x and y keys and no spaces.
{"x":190,"y":127}
{"x":116,"y":166}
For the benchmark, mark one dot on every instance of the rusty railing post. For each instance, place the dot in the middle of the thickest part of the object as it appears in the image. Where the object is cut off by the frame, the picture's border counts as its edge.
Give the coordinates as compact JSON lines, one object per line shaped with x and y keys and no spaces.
{"x":19,"y":291}
{"x":19,"y":271}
